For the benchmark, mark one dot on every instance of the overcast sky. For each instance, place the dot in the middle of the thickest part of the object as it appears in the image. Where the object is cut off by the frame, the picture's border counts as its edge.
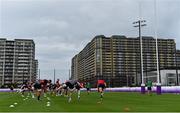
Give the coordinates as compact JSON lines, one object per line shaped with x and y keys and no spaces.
{"x":62,"y":28}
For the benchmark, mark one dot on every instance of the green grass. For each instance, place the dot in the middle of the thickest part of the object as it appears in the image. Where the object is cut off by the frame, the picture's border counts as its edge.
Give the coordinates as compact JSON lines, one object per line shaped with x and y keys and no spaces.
{"x":112,"y":102}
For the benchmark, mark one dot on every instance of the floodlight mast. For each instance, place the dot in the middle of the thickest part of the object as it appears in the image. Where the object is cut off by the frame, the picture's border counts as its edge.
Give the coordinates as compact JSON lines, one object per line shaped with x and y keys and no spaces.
{"x":141,"y":23}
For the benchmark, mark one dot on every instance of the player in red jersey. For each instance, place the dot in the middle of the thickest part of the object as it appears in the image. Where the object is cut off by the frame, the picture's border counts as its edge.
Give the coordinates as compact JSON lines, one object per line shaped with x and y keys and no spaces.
{"x":101,"y":86}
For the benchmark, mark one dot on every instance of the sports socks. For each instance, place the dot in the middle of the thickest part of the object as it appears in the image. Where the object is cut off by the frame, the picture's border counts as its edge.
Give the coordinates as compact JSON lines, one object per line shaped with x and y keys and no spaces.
{"x":38,"y":97}
{"x":79,"y":94}
{"x":69,"y":100}
{"x":102,"y":95}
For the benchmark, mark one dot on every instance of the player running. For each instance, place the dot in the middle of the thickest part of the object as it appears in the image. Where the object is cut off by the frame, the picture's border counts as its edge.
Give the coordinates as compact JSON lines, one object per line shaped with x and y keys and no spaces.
{"x":101,"y":86}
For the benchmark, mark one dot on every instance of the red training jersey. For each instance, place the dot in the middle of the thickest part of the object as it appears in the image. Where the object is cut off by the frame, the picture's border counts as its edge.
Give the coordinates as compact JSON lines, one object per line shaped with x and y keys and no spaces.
{"x":101,"y":82}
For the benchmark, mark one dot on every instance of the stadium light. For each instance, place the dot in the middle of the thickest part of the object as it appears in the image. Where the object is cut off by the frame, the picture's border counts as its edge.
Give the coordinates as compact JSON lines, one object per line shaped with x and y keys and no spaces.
{"x":141,"y":24}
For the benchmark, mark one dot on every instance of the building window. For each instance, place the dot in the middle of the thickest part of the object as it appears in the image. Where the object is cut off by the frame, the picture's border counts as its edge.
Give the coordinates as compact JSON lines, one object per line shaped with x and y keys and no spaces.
{"x":98,"y":55}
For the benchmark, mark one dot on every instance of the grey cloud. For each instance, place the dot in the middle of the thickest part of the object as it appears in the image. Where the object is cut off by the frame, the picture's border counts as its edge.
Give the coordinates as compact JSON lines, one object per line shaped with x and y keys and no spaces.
{"x":61,"y":28}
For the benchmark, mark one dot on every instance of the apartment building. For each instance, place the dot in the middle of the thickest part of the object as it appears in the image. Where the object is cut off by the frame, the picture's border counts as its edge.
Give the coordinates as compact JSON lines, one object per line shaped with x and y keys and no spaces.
{"x":17,"y":61}
{"x":116,"y":59}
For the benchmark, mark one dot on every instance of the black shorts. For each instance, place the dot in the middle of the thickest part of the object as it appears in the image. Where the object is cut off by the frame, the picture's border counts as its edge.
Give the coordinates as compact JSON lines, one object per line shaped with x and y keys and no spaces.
{"x":78,"y":87}
{"x":65,"y":87}
{"x":69,"y":85}
{"x":101,"y":86}
{"x":88,"y":89}
{"x":149,"y":88}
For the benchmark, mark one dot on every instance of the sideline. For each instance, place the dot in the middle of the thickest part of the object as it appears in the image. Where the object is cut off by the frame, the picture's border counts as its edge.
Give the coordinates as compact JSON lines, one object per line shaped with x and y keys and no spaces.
{"x":164,"y":89}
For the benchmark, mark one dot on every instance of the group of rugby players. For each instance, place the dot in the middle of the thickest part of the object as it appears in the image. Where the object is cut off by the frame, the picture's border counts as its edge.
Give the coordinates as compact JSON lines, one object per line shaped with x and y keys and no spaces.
{"x":41,"y":87}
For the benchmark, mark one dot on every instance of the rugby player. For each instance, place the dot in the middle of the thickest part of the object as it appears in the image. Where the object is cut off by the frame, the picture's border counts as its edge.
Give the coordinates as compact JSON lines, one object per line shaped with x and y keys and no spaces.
{"x":149,"y":87}
{"x":24,"y":87}
{"x":37,"y":88}
{"x":58,"y":88}
{"x":101,"y":86}
{"x":88,"y":87}
{"x":73,"y":85}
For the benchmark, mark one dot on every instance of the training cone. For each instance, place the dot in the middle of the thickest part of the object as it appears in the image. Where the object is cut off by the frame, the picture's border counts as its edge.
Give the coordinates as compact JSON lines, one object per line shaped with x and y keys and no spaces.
{"x":48,"y":105}
{"x":11,"y":106}
{"x":15,"y":103}
{"x":48,"y":98}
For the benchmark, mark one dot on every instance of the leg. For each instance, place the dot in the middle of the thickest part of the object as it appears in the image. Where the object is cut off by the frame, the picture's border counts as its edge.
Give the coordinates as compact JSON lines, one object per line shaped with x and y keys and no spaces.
{"x":79,"y":92}
{"x":101,"y":92}
{"x":69,"y":96}
{"x":38,"y":94}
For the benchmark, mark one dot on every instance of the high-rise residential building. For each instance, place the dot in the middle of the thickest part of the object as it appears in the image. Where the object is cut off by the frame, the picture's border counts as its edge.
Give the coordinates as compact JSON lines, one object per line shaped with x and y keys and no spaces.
{"x":17,"y":61}
{"x":178,"y":58}
{"x":116,"y":59}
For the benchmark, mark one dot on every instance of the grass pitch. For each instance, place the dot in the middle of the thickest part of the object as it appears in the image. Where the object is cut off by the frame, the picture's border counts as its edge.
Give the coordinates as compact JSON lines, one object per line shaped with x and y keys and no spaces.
{"x":112,"y":102}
